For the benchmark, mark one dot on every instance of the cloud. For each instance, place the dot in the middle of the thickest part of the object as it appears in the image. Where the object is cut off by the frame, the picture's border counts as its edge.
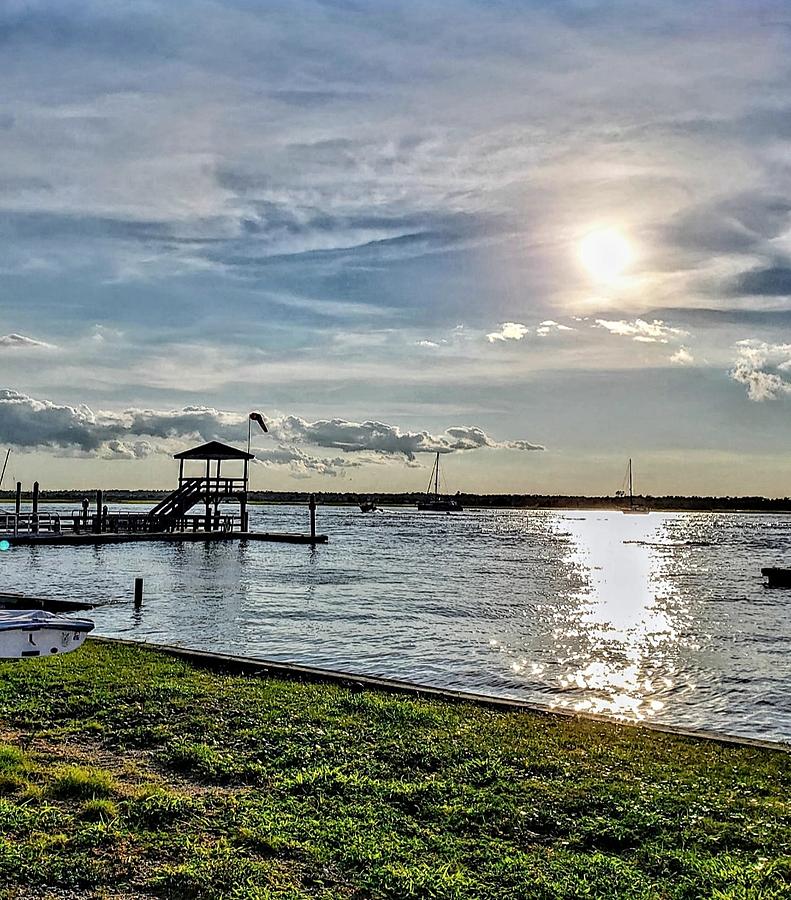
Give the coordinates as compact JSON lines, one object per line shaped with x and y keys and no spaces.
{"x":134,"y":433}
{"x":129,"y":450}
{"x":27,"y":422}
{"x":769,"y":281}
{"x":549,"y":325}
{"x":760,"y":367}
{"x":509,"y":331}
{"x":21,"y":341}
{"x":655,"y":332}
{"x":303,"y":465}
{"x":380,"y":437}
{"x":682,"y":357}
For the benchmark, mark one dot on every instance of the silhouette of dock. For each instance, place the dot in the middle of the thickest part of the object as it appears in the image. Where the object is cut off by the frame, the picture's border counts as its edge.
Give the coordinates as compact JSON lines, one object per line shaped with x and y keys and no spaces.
{"x":173,"y":519}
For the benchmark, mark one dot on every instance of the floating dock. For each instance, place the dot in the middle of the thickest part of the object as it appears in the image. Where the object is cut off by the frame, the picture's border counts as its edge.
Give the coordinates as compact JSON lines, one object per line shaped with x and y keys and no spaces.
{"x":10,"y":600}
{"x":49,"y":539}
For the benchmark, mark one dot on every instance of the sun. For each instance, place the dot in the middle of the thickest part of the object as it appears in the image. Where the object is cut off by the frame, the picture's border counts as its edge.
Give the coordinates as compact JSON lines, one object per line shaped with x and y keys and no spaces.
{"x":606,"y":254}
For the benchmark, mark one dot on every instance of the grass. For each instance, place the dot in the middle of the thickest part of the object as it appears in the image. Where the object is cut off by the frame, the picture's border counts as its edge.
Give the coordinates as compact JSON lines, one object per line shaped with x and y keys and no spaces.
{"x":126,"y":773}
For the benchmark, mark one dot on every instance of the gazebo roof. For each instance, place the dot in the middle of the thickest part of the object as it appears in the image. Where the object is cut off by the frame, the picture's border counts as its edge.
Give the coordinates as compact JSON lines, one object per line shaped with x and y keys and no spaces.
{"x":213,"y":450}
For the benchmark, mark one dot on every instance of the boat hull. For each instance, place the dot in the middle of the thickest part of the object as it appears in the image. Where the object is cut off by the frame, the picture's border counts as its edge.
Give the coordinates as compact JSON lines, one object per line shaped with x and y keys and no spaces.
{"x":777,"y":577}
{"x":439,"y":506}
{"x":30,"y":633}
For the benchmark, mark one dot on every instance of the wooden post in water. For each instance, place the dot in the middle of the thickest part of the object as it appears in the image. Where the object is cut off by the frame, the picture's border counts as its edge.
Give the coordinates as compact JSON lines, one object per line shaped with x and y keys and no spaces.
{"x":18,"y":506}
{"x":98,"y":527}
{"x":34,"y":518}
{"x":138,"y":593}
{"x":207,"y":526}
{"x":312,"y":507}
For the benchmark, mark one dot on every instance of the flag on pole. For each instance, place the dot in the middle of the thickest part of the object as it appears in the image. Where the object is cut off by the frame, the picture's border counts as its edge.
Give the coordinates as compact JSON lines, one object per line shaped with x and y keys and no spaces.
{"x":257,"y":417}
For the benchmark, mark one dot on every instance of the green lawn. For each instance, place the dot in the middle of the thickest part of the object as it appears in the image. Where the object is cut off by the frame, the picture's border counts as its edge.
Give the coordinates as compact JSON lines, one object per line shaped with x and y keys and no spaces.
{"x":126,"y":773}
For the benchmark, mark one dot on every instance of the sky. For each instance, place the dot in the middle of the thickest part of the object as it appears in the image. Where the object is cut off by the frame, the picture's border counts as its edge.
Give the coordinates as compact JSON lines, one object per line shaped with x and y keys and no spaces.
{"x":537,"y":237}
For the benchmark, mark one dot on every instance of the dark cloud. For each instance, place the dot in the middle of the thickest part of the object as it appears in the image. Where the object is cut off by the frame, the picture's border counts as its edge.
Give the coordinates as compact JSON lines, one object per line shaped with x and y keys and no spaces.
{"x":742,"y":223}
{"x":770,"y":281}
{"x":388,"y":439}
{"x":28,"y":422}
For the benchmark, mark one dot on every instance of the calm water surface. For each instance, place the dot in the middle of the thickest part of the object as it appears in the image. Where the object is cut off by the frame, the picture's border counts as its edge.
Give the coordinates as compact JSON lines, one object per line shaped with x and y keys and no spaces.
{"x":661,"y":617}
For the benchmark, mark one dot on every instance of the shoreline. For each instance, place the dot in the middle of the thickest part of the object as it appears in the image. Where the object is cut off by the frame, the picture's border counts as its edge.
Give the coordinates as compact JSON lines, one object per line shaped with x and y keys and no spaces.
{"x":353,"y":681}
{"x":128,"y":772}
{"x":516,"y":502}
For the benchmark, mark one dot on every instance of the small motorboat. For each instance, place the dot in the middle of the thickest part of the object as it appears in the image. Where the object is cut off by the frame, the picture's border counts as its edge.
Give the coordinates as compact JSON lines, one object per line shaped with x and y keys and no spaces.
{"x":368,"y":505}
{"x":776,"y":577}
{"x":35,"y":632}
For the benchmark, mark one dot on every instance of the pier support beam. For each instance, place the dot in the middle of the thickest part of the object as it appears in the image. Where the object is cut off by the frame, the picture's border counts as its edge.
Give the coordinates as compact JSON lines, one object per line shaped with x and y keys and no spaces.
{"x":98,"y":526}
{"x":17,"y":507}
{"x":34,"y":519}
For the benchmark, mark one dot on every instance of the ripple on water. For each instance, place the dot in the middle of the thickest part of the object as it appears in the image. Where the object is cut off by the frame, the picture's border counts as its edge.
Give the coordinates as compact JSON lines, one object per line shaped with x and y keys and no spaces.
{"x":661,"y":617}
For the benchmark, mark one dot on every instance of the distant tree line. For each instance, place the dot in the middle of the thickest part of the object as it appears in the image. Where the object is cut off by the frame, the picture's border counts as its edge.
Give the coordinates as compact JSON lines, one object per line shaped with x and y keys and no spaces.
{"x":472,"y":501}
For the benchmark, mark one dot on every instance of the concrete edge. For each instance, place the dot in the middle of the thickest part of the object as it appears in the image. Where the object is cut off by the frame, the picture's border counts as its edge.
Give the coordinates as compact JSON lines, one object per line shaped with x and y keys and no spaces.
{"x":313,"y":674}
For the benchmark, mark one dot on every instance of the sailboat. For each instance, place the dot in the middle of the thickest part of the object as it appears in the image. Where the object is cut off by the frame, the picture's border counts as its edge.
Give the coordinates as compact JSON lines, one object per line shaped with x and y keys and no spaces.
{"x":433,"y":501}
{"x":632,"y":509}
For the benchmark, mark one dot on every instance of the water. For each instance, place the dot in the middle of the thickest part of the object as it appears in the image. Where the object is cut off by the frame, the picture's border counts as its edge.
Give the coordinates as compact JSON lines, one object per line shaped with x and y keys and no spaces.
{"x":661,"y":617}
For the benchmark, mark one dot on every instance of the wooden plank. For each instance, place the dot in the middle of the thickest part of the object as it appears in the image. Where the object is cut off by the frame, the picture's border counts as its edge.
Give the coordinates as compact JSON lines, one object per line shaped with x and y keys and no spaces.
{"x":89,"y":539}
{"x":9,"y":600}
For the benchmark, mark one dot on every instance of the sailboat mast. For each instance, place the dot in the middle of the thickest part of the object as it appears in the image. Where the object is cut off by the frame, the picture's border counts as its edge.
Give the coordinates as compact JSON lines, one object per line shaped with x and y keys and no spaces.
{"x":5,"y":464}
{"x":436,"y":476}
{"x":631,"y":493}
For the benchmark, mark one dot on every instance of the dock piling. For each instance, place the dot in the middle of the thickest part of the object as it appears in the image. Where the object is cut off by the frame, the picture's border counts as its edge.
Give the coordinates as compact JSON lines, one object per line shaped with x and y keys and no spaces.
{"x":98,"y":527}
{"x":34,"y":521}
{"x":138,"y":593}
{"x":17,"y":507}
{"x":312,"y":507}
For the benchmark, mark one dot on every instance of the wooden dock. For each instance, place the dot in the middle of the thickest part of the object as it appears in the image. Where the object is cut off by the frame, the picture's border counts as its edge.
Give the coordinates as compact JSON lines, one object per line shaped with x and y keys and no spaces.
{"x":171,"y":520}
{"x":10,"y":600}
{"x":69,"y":539}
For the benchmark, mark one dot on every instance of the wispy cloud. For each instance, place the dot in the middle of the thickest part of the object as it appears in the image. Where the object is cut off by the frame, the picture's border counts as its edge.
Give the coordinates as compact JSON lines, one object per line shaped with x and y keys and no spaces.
{"x":656,"y":332}
{"x":21,"y":341}
{"x":548,"y":326}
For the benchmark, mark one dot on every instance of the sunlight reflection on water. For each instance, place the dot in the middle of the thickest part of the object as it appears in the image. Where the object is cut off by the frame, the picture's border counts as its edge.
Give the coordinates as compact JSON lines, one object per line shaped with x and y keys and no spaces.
{"x":660,"y":617}
{"x":619,"y":639}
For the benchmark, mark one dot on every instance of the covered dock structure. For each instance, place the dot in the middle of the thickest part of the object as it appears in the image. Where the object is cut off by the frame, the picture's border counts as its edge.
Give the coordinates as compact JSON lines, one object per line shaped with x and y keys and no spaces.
{"x":198,"y":509}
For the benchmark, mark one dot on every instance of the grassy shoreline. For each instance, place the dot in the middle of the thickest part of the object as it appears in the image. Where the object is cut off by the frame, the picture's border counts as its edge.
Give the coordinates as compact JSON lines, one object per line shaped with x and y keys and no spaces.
{"x":128,"y":773}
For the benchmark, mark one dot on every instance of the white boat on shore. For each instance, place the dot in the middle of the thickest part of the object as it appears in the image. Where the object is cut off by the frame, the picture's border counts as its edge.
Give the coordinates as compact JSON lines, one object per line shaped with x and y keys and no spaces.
{"x":35,"y":632}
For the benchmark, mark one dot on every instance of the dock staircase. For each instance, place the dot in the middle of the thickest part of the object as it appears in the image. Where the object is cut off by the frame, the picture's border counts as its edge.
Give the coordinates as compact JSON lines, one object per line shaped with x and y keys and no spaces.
{"x":171,"y":513}
{"x":208,"y":490}
{"x":178,"y":503}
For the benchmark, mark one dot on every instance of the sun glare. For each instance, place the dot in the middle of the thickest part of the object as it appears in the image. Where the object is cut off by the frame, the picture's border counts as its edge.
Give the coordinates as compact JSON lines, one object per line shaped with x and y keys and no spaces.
{"x":606,"y":254}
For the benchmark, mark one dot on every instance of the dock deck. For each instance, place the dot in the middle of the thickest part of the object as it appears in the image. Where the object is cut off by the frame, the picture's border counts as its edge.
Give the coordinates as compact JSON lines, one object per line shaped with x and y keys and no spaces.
{"x":44,"y":539}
